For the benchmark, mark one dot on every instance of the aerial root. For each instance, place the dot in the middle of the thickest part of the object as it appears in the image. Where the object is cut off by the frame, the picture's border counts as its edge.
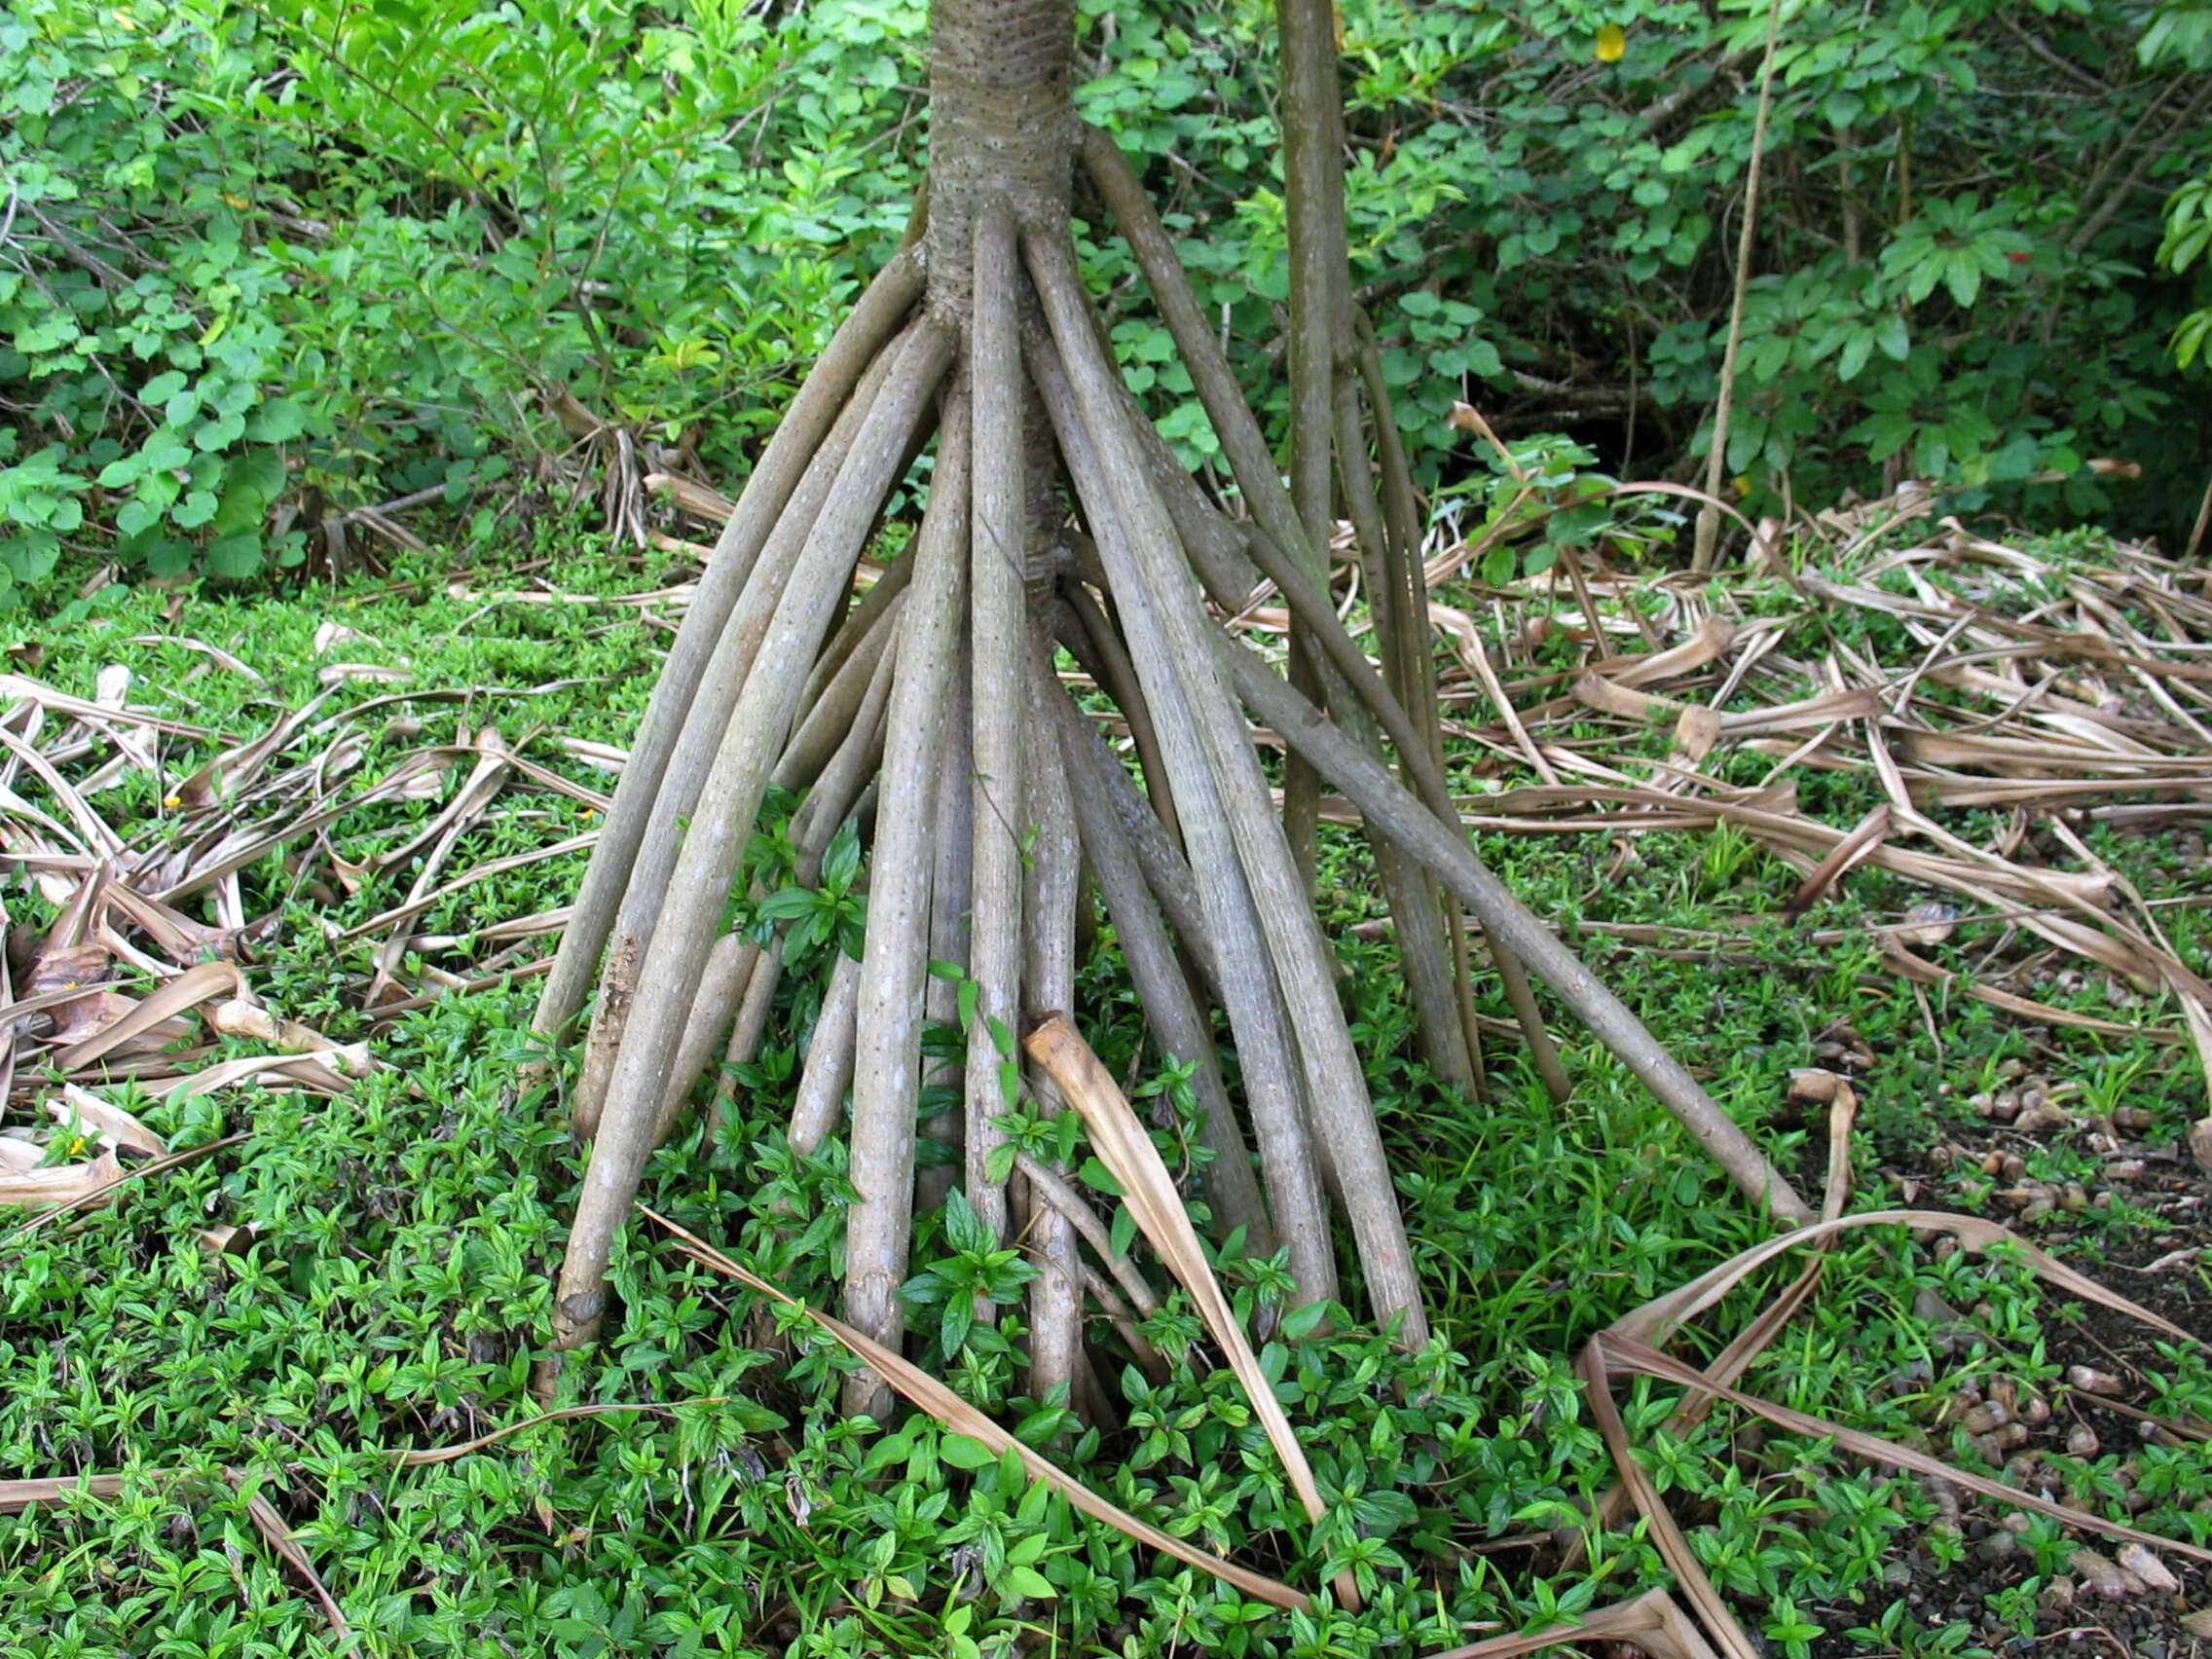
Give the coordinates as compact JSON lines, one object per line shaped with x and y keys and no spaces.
{"x":1097,"y":645}
{"x":998,"y":517}
{"x":1146,"y":564}
{"x":887,"y":1065}
{"x":653,"y":855}
{"x":1250,"y":461}
{"x":1450,"y":856}
{"x":949,"y":899}
{"x":857,"y":343}
{"x":737,"y":991}
{"x":1443,"y":1001}
{"x":728,"y":803}
{"x":1217,"y":893}
{"x":1050,"y":889}
{"x":1170,"y":1009}
{"x":835,"y":707}
{"x":845,"y":789}
{"x":931,"y":708}
{"x":829,"y":1069}
{"x":732,"y":966}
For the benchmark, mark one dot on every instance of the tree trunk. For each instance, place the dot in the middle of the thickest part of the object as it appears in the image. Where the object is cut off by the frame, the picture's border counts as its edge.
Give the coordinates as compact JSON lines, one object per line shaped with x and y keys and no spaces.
{"x":1002,"y":128}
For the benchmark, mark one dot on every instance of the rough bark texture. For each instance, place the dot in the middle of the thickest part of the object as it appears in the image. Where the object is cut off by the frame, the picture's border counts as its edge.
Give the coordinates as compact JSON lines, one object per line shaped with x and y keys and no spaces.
{"x":728,"y":804}
{"x":649,"y":858}
{"x":950,"y":897}
{"x":1055,"y":1302}
{"x":758,"y":509}
{"x":1171,"y":1011}
{"x":997,"y":625}
{"x":1000,"y":129}
{"x":887,"y":1068}
{"x":1314,"y":198}
{"x":1264,"y":1040}
{"x":1187,"y":670}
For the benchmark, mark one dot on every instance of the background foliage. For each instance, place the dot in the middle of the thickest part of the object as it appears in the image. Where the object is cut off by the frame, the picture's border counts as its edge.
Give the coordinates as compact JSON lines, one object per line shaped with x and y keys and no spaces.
{"x":263,"y":261}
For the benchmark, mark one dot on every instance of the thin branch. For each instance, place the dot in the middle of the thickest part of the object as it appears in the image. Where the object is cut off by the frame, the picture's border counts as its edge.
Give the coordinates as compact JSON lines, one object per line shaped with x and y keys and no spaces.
{"x":1708,"y":520}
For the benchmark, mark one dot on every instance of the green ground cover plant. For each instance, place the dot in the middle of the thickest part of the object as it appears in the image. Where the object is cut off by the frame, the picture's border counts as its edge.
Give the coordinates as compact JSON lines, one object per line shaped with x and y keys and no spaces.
{"x":395,"y":1293}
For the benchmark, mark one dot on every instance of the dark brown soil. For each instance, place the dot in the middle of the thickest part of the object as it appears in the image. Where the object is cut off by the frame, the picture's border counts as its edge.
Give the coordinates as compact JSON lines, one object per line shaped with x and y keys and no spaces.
{"x":2167,"y":1268}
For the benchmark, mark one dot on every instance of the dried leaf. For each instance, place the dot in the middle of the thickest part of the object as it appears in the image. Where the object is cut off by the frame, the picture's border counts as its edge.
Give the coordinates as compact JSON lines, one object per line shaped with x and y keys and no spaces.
{"x":116,"y":1126}
{"x":270,"y":1526}
{"x":120,"y":1177}
{"x":67,"y":1184}
{"x":957,"y":1414}
{"x":340,"y":672}
{"x":1125,"y":1149}
{"x":1640,"y":1358}
{"x":15,"y":1496}
{"x":1651,"y":1622}
{"x":188,"y":991}
{"x":235,"y":1017}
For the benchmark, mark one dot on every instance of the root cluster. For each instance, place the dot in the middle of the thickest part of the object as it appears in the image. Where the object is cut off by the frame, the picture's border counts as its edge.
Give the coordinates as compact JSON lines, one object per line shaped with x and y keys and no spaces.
{"x":929,"y":708}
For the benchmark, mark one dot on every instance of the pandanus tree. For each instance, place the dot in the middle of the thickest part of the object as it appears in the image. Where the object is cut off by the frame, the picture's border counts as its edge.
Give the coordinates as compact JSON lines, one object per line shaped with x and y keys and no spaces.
{"x":1055,"y":517}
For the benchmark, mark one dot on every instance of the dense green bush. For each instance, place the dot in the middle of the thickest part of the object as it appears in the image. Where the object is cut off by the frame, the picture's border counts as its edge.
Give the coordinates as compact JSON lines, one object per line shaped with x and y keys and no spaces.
{"x":261,"y":263}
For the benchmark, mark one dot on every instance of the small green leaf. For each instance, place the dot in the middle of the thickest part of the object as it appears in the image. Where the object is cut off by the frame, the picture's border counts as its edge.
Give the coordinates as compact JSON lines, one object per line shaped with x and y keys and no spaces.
{"x":1096,"y":1176}
{"x":219,"y":433}
{"x":234,"y":557}
{"x":277,"y":421}
{"x":964,"y":1227}
{"x":954,"y":1324}
{"x":164,"y":452}
{"x":963,"y":1452}
{"x":842,"y":862}
{"x":1962,"y":274}
{"x":788,"y":904}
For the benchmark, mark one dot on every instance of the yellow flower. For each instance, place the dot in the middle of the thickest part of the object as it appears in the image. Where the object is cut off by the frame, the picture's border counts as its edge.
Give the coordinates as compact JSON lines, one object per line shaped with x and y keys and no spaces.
{"x":1742,"y":484}
{"x":1612,"y":42}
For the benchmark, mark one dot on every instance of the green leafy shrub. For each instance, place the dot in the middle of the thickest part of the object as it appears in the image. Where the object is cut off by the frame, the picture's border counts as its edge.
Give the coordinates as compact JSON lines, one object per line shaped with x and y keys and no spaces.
{"x":265,"y":264}
{"x":2181,"y":36}
{"x":1954,"y":273}
{"x":270,"y":263}
{"x":139,"y":339}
